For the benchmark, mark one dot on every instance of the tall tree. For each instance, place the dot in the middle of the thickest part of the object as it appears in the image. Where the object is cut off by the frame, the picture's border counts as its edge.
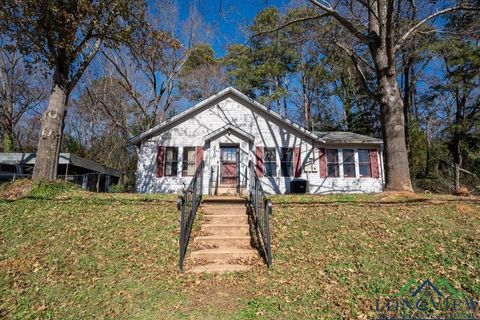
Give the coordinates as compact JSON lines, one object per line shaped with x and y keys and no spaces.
{"x":99,"y":123}
{"x":149,"y":64}
{"x":19,"y":93}
{"x":376,"y":39}
{"x":66,"y":36}
{"x":262,"y":68}
{"x":202,"y":75}
{"x":459,"y":93}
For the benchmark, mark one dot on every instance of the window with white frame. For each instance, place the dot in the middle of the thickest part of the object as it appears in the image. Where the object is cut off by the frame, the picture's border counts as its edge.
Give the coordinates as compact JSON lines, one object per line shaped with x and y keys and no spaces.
{"x":188,"y":163}
{"x":364,"y":164}
{"x":333,"y":164}
{"x":286,"y":162}
{"x":348,"y":163}
{"x":270,"y":162}
{"x":171,"y":161}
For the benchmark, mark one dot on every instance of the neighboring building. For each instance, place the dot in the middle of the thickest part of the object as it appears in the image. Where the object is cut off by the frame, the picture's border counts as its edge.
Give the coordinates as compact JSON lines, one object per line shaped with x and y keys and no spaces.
{"x":92,"y":176}
{"x":229,"y":129}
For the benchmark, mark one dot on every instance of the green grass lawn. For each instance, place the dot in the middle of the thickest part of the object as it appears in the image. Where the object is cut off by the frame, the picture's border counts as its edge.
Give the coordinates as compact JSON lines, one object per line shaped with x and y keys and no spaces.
{"x":76,"y":255}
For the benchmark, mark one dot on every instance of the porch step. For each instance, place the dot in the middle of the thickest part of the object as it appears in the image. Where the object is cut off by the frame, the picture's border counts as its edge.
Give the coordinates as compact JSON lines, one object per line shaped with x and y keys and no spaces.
{"x":223,"y":254}
{"x":227,"y":190}
{"x":220,"y":268}
{"x":223,"y":242}
{"x":227,"y":218}
{"x":233,"y":210}
{"x":231,"y":230}
{"x":226,"y":200}
{"x":226,"y":247}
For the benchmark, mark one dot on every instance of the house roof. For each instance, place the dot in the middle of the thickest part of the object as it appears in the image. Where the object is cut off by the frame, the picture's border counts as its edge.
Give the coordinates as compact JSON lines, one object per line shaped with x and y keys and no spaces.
{"x":322,"y":137}
{"x":229,"y":127}
{"x":346,"y":137}
{"x":64,"y":158}
{"x":145,"y":135}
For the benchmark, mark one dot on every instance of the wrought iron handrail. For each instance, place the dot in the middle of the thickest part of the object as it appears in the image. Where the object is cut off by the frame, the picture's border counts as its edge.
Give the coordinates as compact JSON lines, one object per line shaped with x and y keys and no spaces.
{"x":261,"y":208}
{"x":187,"y":204}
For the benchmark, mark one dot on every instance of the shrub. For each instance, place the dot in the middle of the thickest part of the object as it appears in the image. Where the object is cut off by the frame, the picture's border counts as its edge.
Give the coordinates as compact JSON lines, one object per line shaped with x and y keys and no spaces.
{"x":50,"y":189}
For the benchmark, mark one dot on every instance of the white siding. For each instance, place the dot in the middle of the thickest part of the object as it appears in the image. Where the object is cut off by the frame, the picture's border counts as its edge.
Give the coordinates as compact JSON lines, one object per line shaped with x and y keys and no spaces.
{"x":267,"y":131}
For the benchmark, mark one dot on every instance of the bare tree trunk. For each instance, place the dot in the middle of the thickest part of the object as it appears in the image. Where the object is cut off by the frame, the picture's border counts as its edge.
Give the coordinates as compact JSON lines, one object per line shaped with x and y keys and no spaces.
{"x":279,"y":109}
{"x":391,"y":108}
{"x":457,"y":158}
{"x":7,"y":119}
{"x":348,"y":113}
{"x":407,"y":107}
{"x":397,"y":173}
{"x":347,"y":102}
{"x":46,"y":163}
{"x":427,"y":162}
{"x":456,"y":176}
{"x":8,"y":130}
{"x":306,"y":111}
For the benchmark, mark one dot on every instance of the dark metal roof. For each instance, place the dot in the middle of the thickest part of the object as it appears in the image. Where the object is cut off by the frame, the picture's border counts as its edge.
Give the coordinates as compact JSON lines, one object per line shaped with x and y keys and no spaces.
{"x":64,"y":158}
{"x":346,"y":137}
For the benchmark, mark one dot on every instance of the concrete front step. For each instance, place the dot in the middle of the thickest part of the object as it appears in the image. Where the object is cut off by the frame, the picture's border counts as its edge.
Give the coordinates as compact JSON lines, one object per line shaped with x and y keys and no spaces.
{"x":225,"y":200}
{"x":223,"y":242}
{"x":223,"y":254}
{"x":214,"y":210}
{"x":226,"y":218}
{"x":220,"y":268}
{"x":226,"y":247}
{"x":232,"y":230}
{"x":227,"y":191}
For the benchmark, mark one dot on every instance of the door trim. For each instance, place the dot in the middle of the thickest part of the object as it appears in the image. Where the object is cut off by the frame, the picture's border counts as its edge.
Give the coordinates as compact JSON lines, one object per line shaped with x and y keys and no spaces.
{"x":234,"y":178}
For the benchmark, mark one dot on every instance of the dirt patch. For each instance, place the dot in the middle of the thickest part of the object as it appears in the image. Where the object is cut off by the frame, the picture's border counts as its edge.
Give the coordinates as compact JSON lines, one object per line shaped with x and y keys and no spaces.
{"x":215,"y":294}
{"x":466,"y":209}
{"x":20,"y":266}
{"x":398,"y":195}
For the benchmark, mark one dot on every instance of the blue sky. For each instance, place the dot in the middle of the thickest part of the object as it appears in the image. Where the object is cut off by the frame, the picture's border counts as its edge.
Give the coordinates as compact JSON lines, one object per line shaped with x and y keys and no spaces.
{"x":228,"y":18}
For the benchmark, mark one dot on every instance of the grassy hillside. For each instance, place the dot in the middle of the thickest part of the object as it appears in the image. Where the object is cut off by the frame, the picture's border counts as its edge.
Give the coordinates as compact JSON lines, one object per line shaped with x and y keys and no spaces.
{"x":69,"y":254}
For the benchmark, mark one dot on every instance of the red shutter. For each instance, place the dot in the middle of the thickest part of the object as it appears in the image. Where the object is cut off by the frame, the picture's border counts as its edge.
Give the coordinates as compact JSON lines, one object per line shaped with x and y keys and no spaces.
{"x":160,"y":157}
{"x":198,"y":156}
{"x":323,"y":162}
{"x":297,"y":163}
{"x":374,"y":163}
{"x":259,"y":162}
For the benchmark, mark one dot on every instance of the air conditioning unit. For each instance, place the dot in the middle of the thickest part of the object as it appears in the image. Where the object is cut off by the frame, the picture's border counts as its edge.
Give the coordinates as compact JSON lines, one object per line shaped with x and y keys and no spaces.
{"x":299,"y":186}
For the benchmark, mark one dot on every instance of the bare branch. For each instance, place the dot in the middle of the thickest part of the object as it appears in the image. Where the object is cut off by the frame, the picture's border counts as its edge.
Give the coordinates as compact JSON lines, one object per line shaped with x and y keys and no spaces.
{"x":128,"y":83}
{"x":286,"y":24}
{"x":389,"y":34}
{"x":342,"y":20}
{"x":106,"y":109}
{"x":414,"y":29}
{"x":355,"y":59}
{"x":85,"y":64}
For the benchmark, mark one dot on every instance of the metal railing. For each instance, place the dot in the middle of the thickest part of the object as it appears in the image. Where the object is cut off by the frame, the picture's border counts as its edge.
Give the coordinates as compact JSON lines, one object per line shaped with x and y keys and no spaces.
{"x":187,"y":204}
{"x":261,"y":208}
{"x":210,"y":181}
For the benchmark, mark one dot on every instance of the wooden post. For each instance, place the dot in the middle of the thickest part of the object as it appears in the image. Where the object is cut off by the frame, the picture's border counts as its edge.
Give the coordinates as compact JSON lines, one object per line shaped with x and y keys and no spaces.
{"x":98,"y":183}
{"x":84,"y":182}
{"x":66,"y":172}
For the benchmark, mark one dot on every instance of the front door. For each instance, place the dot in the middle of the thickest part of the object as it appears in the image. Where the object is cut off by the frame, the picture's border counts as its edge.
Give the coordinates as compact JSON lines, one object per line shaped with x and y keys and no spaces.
{"x":229,"y":165}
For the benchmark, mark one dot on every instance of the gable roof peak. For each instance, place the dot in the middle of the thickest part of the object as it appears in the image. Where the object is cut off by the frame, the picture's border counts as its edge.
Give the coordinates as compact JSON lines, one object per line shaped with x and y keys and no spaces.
{"x":228,"y":90}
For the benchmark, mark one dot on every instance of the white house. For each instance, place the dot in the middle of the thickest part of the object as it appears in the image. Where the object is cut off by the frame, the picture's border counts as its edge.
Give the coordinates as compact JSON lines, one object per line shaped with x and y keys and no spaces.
{"x":229,"y":129}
